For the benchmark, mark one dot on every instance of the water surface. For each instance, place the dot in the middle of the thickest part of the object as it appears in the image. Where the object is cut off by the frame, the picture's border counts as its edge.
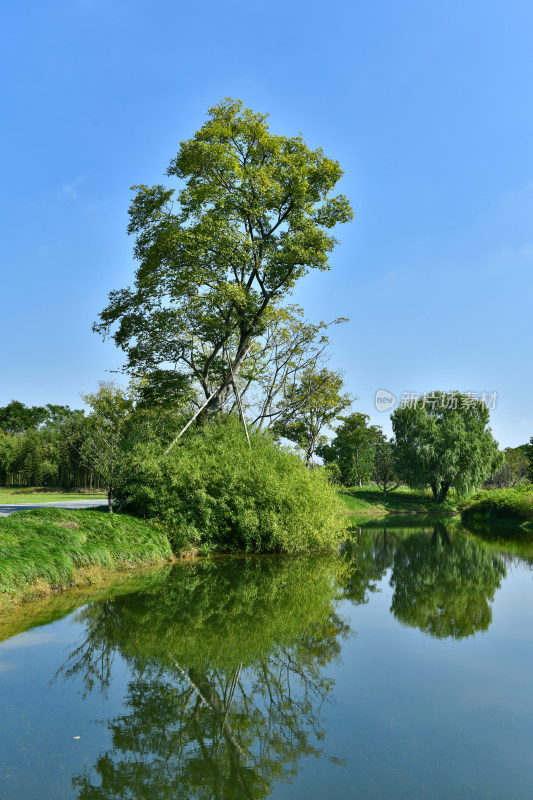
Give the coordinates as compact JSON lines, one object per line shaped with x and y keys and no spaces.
{"x":401,"y":670}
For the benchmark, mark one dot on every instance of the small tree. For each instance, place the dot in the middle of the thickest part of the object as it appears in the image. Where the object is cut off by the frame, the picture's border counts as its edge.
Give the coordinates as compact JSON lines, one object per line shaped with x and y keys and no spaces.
{"x":444,"y":441}
{"x":384,"y":468}
{"x":352,"y":448}
{"x":116,"y":439}
{"x":515,"y":470}
{"x":311,"y":406}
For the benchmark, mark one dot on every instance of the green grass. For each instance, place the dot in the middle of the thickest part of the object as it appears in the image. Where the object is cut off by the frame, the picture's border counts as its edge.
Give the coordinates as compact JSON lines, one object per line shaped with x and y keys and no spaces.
{"x":370,"y":500}
{"x":38,"y":494}
{"x":50,"y":548}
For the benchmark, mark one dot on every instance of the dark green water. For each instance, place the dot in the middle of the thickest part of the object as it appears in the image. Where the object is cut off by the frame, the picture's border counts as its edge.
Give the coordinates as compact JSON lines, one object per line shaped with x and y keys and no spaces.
{"x":402,"y":670}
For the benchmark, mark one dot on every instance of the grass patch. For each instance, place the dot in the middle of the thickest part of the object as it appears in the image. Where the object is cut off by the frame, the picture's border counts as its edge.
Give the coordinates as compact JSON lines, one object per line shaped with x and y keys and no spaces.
{"x":46,"y":549}
{"x":370,"y":500}
{"x":39,"y":494}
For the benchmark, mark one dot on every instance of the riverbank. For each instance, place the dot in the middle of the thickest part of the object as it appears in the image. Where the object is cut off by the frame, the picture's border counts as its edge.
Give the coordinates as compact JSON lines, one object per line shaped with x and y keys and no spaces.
{"x":48,"y":549}
{"x":369,"y":500}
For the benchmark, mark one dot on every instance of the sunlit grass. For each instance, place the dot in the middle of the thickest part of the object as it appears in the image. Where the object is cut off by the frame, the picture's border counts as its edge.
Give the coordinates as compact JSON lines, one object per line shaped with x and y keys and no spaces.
{"x":370,"y":500}
{"x":39,"y":494}
{"x":46,"y":549}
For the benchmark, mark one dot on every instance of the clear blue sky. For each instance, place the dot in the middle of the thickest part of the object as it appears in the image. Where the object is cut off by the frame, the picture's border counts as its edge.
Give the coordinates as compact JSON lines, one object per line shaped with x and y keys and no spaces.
{"x":427,"y":106}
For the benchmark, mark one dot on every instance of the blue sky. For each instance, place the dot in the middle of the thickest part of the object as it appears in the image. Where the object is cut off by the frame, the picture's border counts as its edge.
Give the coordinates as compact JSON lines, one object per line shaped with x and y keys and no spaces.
{"x":427,"y":106}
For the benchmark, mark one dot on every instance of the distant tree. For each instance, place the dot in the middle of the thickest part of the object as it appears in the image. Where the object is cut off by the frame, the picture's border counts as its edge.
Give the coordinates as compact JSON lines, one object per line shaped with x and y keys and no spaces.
{"x":252,"y":217}
{"x":309,"y":407}
{"x":353,"y":448}
{"x":18,"y":418}
{"x":384,"y":468}
{"x":445,"y":442}
{"x":527,"y":450}
{"x":515,"y":470}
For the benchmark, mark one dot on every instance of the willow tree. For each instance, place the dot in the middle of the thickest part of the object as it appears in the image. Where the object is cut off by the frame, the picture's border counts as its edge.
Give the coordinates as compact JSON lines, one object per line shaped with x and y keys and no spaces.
{"x":444,"y":441}
{"x":252,"y":215}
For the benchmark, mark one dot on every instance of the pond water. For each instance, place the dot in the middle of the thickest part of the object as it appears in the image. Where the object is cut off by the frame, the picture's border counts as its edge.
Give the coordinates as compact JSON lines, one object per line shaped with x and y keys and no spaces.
{"x":401,"y":670}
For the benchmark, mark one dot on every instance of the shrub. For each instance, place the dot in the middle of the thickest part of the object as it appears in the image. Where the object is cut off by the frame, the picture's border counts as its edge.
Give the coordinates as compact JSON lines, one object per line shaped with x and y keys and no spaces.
{"x":500,"y":505}
{"x":214,"y":492}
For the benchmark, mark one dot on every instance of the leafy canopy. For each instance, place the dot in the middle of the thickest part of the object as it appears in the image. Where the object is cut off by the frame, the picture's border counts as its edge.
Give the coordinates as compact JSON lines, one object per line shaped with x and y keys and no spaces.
{"x":445,"y":442}
{"x":253,"y":216}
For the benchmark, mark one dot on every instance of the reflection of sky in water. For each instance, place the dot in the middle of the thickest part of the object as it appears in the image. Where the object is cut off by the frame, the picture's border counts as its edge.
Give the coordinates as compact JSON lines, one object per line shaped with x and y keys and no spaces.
{"x":410,"y":715}
{"x":32,"y":639}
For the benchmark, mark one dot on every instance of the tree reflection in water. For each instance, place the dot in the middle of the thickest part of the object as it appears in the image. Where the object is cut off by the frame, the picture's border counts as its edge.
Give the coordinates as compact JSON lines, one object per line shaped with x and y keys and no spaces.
{"x":227,"y":681}
{"x":443,"y":581}
{"x":445,"y":584}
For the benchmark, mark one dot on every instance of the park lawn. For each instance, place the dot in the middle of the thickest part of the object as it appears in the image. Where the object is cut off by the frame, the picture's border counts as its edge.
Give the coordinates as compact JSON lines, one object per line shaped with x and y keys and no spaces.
{"x":38,"y":494}
{"x":370,"y":500}
{"x":47,"y":549}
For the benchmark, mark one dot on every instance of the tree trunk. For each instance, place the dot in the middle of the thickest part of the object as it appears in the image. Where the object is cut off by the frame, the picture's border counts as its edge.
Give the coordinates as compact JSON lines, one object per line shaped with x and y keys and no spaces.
{"x":110,"y":501}
{"x":226,"y":387}
{"x":444,"y":487}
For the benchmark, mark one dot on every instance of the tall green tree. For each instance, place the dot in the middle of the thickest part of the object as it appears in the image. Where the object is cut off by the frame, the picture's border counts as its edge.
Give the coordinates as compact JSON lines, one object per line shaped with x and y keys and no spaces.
{"x":252,"y":217}
{"x":445,"y":442}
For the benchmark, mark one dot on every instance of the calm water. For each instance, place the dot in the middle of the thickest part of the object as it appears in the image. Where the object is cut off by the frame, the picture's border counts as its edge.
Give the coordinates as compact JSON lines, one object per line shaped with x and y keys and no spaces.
{"x":402,"y":670}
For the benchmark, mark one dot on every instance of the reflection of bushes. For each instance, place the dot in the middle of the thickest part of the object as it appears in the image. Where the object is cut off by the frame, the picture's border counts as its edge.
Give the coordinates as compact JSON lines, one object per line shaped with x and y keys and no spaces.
{"x":445,"y":587}
{"x":220,"y":612}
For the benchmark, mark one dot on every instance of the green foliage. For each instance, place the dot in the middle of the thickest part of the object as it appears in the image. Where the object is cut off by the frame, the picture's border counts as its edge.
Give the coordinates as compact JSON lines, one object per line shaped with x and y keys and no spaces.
{"x":384,"y":467}
{"x":515,"y":471}
{"x":511,"y":506}
{"x":214,"y":492}
{"x":352,"y":449}
{"x":252,"y":217}
{"x":18,"y":418}
{"x":41,"y":445}
{"x":311,"y":405}
{"x":445,"y":442}
{"x":46,"y":546}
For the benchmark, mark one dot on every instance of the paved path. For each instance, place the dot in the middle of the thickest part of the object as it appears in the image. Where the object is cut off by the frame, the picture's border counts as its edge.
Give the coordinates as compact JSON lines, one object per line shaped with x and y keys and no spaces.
{"x":5,"y":510}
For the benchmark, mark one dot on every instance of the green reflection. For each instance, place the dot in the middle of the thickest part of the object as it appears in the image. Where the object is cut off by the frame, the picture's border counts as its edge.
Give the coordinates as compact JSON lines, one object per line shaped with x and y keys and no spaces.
{"x":445,"y":584}
{"x":443,"y":581}
{"x":227,"y":681}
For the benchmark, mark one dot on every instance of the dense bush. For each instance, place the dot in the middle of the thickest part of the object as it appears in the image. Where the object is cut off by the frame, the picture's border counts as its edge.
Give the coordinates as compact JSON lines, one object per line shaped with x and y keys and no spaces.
{"x":214,"y":492}
{"x":500,"y":505}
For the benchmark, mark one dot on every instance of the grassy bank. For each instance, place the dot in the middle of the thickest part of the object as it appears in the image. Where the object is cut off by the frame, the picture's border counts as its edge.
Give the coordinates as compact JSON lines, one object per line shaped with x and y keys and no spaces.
{"x":38,"y":494}
{"x":48,"y":548}
{"x":503,"y":507}
{"x":370,"y":500}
